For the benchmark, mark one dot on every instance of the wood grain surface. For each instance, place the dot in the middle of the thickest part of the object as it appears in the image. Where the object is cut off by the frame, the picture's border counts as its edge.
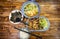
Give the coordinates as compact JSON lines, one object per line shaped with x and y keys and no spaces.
{"x":49,"y":9}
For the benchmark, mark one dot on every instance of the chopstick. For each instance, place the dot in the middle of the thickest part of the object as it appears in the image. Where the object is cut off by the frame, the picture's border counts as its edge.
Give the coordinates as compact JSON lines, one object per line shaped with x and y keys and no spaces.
{"x":40,"y":37}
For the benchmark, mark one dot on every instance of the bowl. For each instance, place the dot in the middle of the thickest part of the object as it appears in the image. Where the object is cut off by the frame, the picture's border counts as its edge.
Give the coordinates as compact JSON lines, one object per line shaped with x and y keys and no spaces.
{"x":24,"y":35}
{"x":13,"y":12}
{"x":26,"y":3}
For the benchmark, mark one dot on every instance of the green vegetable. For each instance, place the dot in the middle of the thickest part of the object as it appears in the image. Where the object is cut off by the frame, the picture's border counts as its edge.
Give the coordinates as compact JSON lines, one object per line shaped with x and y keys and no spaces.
{"x":42,"y":22}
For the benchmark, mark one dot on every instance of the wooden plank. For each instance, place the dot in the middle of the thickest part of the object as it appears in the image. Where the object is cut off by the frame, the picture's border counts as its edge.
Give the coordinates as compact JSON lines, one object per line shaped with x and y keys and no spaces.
{"x":53,"y":15}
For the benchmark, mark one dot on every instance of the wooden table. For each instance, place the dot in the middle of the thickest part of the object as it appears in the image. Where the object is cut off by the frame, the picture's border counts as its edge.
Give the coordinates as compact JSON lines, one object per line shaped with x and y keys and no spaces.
{"x":51,"y":10}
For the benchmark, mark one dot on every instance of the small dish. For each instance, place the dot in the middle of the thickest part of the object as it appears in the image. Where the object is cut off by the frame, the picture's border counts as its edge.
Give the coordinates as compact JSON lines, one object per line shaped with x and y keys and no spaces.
{"x":15,"y":17}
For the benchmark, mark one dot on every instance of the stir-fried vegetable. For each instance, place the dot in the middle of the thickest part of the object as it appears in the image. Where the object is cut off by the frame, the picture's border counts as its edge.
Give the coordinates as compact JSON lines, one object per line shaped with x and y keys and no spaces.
{"x":31,"y":10}
{"x":16,"y":17}
{"x":43,"y":22}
